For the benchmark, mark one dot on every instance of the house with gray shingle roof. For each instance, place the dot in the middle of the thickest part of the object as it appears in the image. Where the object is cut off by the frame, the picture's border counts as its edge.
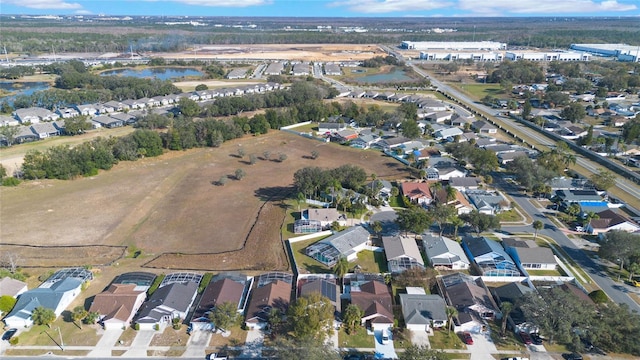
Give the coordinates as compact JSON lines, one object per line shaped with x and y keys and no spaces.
{"x":444,"y":252}
{"x":423,"y":312}
{"x":489,"y":256}
{"x":108,"y":121}
{"x":402,"y":253}
{"x":528,"y":255}
{"x":55,"y":297}
{"x":347,"y":243}
{"x":167,"y":303}
{"x":12,"y":287}
{"x":35,"y":115}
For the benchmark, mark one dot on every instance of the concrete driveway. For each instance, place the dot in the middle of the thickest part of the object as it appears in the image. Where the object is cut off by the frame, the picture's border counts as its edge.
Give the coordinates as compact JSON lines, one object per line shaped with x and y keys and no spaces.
{"x":420,"y":338}
{"x":482,"y":348}
{"x":386,"y":351}
{"x":197,"y":344}
{"x":140,"y":344}
{"x":253,"y":344}
{"x":106,"y":343}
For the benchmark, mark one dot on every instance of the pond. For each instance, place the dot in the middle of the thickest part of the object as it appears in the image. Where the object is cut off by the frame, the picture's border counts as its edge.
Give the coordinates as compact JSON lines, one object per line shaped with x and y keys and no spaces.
{"x":21,"y":88}
{"x":396,"y":76}
{"x":165,"y":73}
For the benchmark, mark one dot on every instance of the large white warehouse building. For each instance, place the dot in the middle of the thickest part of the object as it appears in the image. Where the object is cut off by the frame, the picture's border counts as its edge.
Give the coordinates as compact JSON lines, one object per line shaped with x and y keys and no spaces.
{"x":453,"y":45}
{"x":547,"y":56}
{"x":622,"y":52}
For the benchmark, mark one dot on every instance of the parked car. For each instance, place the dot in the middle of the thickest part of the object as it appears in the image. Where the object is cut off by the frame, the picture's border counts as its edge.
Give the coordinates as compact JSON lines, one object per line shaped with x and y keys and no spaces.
{"x":535,"y":337}
{"x":9,"y":334}
{"x":385,"y":337}
{"x":466,"y":337}
{"x":635,"y":282}
{"x":218,"y":356}
{"x":525,"y":338}
{"x":572,"y":356}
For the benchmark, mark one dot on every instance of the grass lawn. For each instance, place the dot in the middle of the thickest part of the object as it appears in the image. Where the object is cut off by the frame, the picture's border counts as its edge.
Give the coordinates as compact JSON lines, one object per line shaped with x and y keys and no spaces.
{"x":507,"y":342}
{"x":357,"y":340}
{"x":372,"y":261}
{"x":70,"y":333}
{"x":237,"y":338}
{"x":509,"y":216}
{"x":305,"y":263}
{"x":33,"y":352}
{"x":481,"y":90}
{"x":396,"y":201}
{"x":443,"y":339}
{"x":546,"y":272}
{"x":306,"y":128}
{"x":126,"y":337}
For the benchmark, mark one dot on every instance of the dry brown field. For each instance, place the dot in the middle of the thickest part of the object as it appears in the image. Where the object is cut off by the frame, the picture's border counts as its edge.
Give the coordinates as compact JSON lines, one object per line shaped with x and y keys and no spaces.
{"x":168,"y":205}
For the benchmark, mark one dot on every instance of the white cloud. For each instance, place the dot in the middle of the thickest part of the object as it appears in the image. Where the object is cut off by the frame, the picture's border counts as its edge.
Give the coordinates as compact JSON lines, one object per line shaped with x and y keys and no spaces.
{"x":389,"y":6}
{"x":555,"y":7}
{"x":224,"y":3}
{"x":44,"y":4}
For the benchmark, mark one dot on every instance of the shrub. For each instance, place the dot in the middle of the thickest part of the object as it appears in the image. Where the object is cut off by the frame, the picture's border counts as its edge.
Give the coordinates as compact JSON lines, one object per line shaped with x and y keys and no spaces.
{"x":598,"y":296}
{"x":156,"y":284}
{"x":156,"y":327}
{"x":14,"y":340}
{"x":10,"y":181}
{"x":206,"y":279}
{"x":136,"y":326}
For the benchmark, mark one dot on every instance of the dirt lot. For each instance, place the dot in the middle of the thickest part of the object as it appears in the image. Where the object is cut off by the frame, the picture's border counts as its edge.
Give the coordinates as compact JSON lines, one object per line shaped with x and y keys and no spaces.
{"x":169,"y":204}
{"x":304,"y":52}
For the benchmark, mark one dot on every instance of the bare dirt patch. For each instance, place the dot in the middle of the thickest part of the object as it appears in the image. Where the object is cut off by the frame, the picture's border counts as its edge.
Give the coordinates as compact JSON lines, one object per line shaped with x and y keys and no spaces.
{"x":61,"y":256}
{"x":168,"y":205}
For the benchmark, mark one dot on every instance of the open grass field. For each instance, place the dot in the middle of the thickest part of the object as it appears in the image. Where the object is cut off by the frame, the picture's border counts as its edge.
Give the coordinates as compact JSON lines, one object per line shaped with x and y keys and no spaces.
{"x":169,"y":208}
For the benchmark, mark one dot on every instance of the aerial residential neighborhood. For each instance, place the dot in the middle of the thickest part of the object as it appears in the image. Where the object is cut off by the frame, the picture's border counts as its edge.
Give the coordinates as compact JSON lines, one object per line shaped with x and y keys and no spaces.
{"x":309,"y":187}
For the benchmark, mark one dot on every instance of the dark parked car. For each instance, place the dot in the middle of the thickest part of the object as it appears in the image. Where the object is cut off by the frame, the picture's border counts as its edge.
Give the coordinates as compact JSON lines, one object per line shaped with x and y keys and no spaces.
{"x":525,"y":338}
{"x":572,"y":356}
{"x":535,"y":337}
{"x":9,"y":334}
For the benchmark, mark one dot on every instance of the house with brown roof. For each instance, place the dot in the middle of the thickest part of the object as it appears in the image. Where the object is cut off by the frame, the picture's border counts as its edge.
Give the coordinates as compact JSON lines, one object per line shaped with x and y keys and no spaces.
{"x":374,"y":298}
{"x":117,"y":305}
{"x":472,"y":300}
{"x":275,"y":294}
{"x":418,"y":193}
{"x":609,"y":220}
{"x":225,"y":288}
{"x":326,"y":287}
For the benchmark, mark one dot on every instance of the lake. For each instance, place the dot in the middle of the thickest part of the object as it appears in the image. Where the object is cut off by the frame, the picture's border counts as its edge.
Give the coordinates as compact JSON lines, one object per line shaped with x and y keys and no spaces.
{"x":21,"y":88}
{"x":395,"y":76}
{"x":165,"y":73}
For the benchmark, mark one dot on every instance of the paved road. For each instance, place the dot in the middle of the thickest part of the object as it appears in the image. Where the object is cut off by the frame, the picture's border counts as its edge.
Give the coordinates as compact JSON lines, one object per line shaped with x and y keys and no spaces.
{"x":623,"y":184}
{"x":617,"y":292}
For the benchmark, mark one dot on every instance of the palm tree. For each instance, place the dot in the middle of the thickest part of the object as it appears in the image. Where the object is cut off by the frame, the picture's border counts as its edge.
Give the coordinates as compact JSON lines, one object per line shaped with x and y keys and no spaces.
{"x":376,"y":227}
{"x":537,"y":226}
{"x":590,"y":216}
{"x":451,"y":313}
{"x":300,"y":199}
{"x":506,"y":308}
{"x":341,"y":268}
{"x":451,"y":193}
{"x":373,"y":181}
{"x":456,"y":222}
{"x":78,"y":314}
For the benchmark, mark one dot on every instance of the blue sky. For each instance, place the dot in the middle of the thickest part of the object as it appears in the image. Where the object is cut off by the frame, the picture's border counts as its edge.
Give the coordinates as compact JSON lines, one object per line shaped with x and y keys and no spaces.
{"x":327,"y":8}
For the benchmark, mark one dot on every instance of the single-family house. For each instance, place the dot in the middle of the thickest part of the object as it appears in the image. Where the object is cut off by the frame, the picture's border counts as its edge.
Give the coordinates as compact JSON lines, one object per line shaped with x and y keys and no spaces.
{"x":585,"y":197}
{"x":134,"y":104}
{"x":274,"y":68}
{"x":471,"y":299}
{"x":490,"y":203}
{"x":382,"y":188}
{"x":6,"y":120}
{"x":126,"y":118}
{"x":107,"y":121}
{"x":489,"y":256}
{"x":461,"y":121}
{"x":275,"y":294}
{"x":167,"y":303}
{"x":444,"y":172}
{"x":12,"y":287}
{"x":347,"y":243}
{"x":609,"y":220}
{"x":45,"y":130}
{"x":104,"y":108}
{"x":440,"y":116}
{"x":326,"y":287}
{"x":483,"y":127}
{"x":513,"y":293}
{"x":572,"y":132}
{"x":24,"y":134}
{"x":418,"y":193}
{"x":116,"y":105}
{"x":238,"y":73}
{"x":56,"y":296}
{"x":87,"y":109}
{"x":300,"y":69}
{"x":506,"y":157}
{"x":423,"y":312}
{"x":442,"y":252}
{"x":325,"y":216}
{"x":364,"y":141}
{"x":447,"y":133}
{"x":330,"y":127}
{"x":68,"y":112}
{"x":118,"y":305}
{"x":402,"y":253}
{"x":34,"y":115}
{"x":464,"y":183}
{"x":332,"y":69}
{"x":430,"y":104}
{"x":374,"y":299}
{"x":528,"y":255}
{"x":223,"y":288}
{"x":344,"y":135}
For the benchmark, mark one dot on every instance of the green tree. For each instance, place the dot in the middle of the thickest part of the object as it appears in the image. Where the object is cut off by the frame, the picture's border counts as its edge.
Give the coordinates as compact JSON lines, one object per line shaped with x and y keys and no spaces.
{"x":9,"y":133}
{"x":599,"y":296}
{"x":43,"y":316}
{"x":341,"y":268}
{"x":634,"y":269}
{"x":441,"y":214}
{"x":352,"y":318}
{"x":149,"y":143}
{"x":481,"y":222}
{"x":526,"y":109}
{"x":78,"y":314}
{"x":296,"y":349}
{"x":574,"y":112}
{"x":410,"y":129}
{"x":225,"y":315}
{"x":76,"y":125}
{"x":413,"y":219}
{"x":537,"y":226}
{"x":6,"y":304}
{"x":506,"y":308}
{"x":311,"y":317}
{"x":376,"y":226}
{"x":188,"y":107}
{"x":456,"y":222}
{"x":603,"y":180}
{"x":421,"y":352}
{"x":274,"y":319}
{"x":201,"y":87}
{"x":620,"y":246}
